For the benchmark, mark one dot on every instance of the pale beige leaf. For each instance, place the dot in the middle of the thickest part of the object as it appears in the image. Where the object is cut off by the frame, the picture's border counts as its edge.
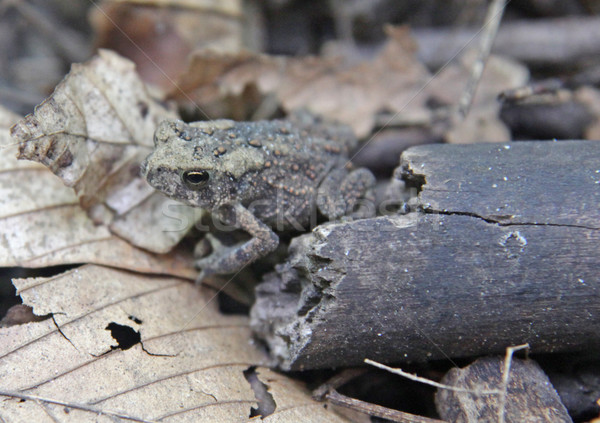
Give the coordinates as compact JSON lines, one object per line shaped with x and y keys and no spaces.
{"x":349,"y":93}
{"x":293,"y":402}
{"x":483,"y":123}
{"x":170,"y":221}
{"x":93,"y":132}
{"x":188,"y":367}
{"x":42,"y":224}
{"x":590,"y":97}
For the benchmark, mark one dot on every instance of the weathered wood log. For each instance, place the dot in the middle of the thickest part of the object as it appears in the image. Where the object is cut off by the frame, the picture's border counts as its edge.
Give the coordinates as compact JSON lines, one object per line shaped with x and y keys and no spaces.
{"x":529,"y":395}
{"x":559,"y":42}
{"x":382,"y":152}
{"x":501,"y":248}
{"x":561,"y":119}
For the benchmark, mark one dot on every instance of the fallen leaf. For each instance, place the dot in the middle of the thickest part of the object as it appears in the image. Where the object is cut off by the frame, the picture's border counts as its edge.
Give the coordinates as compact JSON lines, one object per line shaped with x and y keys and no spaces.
{"x":158,"y":35}
{"x":132,"y":347}
{"x":483,"y":123}
{"x":42,"y":223}
{"x":20,"y":314}
{"x":590,"y":97}
{"x":349,"y":93}
{"x":93,"y":132}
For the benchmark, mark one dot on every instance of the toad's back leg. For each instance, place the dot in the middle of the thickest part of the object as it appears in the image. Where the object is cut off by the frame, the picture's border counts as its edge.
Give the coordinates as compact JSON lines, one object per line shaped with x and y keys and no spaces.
{"x":347,"y":193}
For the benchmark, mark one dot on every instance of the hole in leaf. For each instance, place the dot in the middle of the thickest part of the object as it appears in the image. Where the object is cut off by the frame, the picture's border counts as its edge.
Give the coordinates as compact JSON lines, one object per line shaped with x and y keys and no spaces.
{"x":125,"y":336}
{"x":266,"y":403}
{"x":135,"y":319}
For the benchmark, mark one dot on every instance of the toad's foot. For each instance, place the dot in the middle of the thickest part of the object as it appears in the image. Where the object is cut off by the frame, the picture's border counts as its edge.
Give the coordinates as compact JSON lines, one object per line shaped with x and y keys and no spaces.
{"x":232,"y":259}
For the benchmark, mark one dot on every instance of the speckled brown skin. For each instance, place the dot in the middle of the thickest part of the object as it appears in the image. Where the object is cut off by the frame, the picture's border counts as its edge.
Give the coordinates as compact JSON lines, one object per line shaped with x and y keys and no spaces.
{"x":258,"y":176}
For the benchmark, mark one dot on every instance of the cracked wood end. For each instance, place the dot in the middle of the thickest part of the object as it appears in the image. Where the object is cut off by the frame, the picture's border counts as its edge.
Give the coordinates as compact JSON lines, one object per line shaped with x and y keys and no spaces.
{"x":520,"y":183}
{"x":500,"y":248}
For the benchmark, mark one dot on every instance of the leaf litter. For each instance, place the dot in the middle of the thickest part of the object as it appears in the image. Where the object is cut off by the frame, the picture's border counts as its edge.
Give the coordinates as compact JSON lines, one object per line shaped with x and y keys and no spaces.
{"x":482,"y":123}
{"x":93,"y":132}
{"x":346,"y":92}
{"x":171,"y":341}
{"x":42,"y":223}
{"x":188,"y":366}
{"x":167,"y":31}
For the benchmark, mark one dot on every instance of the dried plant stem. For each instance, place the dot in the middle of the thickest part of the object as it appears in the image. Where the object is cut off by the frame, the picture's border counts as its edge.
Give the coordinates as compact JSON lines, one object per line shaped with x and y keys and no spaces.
{"x":416,"y":378}
{"x":505,"y":376}
{"x":490,"y":29}
{"x":377,"y":410}
{"x":84,"y":407}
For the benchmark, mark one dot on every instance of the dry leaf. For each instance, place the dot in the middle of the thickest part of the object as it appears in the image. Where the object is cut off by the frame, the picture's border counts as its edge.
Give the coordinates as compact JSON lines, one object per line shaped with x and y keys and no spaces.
{"x":20,"y":314}
{"x":158,"y":35}
{"x":93,"y":132}
{"x":42,"y":223}
{"x":590,"y":97}
{"x":352,"y":94}
{"x":127,"y":345}
{"x":483,"y":123}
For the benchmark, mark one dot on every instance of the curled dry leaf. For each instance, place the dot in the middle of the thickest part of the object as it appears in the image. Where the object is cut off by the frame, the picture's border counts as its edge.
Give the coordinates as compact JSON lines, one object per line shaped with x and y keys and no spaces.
{"x":42,"y":223}
{"x":93,"y":132}
{"x":352,"y":94}
{"x":133,"y":347}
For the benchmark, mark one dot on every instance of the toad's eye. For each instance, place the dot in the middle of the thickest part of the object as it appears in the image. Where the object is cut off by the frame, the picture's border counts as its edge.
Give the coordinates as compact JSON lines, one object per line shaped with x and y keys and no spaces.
{"x":195,"y":179}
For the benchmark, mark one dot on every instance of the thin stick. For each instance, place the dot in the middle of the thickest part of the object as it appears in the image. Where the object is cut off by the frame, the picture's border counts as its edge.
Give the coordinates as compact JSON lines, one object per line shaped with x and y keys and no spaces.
{"x":377,"y":410}
{"x":492,"y":23}
{"x":336,"y":381}
{"x":505,"y":376}
{"x":416,"y":378}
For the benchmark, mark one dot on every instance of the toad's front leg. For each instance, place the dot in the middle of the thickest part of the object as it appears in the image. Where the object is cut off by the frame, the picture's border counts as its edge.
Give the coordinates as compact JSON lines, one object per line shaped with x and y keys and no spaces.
{"x":232,"y":259}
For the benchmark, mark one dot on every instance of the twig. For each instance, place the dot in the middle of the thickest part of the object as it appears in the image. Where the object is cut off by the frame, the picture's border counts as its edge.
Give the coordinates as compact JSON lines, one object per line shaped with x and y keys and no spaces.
{"x":489,"y":32}
{"x":416,"y":378}
{"x":505,"y":376}
{"x":547,"y":88}
{"x":377,"y":410}
{"x":492,"y":23}
{"x":84,"y":407}
{"x":336,"y":381}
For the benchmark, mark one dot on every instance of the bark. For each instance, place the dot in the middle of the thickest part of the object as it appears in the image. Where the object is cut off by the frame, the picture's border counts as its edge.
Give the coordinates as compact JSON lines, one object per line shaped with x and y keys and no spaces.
{"x":500,"y":249}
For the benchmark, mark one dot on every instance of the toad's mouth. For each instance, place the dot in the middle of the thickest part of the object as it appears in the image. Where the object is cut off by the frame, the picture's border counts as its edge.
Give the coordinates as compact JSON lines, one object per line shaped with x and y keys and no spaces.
{"x":158,"y":177}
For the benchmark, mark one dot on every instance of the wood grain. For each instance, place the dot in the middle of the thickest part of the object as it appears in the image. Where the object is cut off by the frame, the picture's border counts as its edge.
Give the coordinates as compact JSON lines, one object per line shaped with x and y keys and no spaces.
{"x":500,"y":249}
